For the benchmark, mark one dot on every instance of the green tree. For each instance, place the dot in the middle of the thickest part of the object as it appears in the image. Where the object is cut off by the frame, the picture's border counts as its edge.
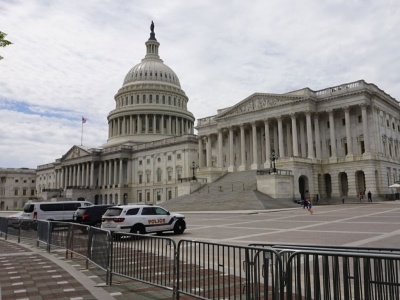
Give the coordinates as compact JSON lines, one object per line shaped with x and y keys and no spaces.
{"x":3,"y":41}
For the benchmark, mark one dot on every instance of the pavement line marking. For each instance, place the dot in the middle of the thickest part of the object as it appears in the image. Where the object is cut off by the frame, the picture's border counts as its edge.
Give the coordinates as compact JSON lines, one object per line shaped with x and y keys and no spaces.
{"x":374,"y":238}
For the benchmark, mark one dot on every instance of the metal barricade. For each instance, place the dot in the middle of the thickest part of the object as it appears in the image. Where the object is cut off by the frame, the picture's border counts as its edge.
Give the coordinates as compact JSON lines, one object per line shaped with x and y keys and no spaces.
{"x":149,"y":259}
{"x":58,"y":234}
{"x":28,"y":230}
{"x":99,"y":250}
{"x":43,"y":233}
{"x":77,"y":240}
{"x":3,"y":226}
{"x":342,"y":275}
{"x":217,"y":271}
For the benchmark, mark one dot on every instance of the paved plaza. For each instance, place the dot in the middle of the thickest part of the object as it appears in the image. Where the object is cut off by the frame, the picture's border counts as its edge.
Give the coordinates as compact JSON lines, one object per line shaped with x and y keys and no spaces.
{"x":30,"y":273}
{"x":366,"y":225}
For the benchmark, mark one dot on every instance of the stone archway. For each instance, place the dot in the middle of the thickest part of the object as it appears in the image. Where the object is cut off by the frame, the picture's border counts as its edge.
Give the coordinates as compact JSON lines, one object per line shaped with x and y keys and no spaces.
{"x":360,"y":181}
{"x":303,"y":187}
{"x":343,"y":184}
{"x":328,"y":185}
{"x":125,"y":199}
{"x":2,"y":205}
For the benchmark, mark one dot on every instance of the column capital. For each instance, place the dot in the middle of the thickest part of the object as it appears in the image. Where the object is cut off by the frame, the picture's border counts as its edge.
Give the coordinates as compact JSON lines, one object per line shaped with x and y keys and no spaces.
{"x":330,"y":111}
{"x":363,"y":106}
{"x":266,"y":121}
{"x":308,"y":112}
{"x":278,"y":118}
{"x":346,"y":108}
{"x":292,"y":115}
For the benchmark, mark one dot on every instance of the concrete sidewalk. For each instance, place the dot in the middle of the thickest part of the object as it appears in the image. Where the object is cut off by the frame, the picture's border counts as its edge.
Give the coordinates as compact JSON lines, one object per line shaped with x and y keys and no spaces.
{"x":27,"y":272}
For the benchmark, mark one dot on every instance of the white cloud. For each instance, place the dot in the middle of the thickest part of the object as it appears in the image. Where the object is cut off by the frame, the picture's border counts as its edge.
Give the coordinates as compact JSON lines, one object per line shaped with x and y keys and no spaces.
{"x":69,"y":58}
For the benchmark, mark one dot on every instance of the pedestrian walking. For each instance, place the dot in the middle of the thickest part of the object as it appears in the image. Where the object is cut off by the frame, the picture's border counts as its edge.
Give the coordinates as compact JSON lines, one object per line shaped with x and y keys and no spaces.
{"x":360,"y":196}
{"x":369,"y":196}
{"x":309,"y":206}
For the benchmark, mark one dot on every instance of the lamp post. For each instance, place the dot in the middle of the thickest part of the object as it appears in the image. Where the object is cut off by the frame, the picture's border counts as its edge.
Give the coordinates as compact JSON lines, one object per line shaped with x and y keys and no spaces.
{"x":193,"y":167}
{"x":273,"y":158}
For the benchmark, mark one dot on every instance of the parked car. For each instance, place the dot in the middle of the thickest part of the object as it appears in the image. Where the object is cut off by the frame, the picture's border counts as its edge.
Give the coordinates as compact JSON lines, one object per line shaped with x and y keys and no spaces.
{"x":90,"y":215}
{"x":14,"y":220}
{"x":52,"y":211}
{"x":142,"y":219}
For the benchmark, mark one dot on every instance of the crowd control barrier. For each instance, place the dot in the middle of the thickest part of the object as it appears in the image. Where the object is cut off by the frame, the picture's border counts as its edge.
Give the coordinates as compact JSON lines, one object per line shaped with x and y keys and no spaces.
{"x":204,"y":270}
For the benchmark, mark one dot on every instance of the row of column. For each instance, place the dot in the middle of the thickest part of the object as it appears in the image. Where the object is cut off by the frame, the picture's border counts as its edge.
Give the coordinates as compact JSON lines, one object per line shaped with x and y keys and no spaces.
{"x":81,"y":174}
{"x":279,"y":139}
{"x":163,"y":124}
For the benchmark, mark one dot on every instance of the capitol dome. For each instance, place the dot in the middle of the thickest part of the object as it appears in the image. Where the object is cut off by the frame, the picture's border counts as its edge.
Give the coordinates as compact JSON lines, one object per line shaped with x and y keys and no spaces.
{"x":150,"y":105}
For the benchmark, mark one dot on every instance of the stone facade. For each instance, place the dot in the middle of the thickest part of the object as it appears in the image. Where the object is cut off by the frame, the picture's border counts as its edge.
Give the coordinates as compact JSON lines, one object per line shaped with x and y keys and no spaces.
{"x":336,"y":142}
{"x":151,"y":145}
{"x":17,"y":186}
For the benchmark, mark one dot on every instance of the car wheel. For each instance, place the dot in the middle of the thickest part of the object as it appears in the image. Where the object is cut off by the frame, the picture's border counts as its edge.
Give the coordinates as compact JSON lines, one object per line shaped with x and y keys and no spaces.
{"x":179,"y":227}
{"x":138,"y":229}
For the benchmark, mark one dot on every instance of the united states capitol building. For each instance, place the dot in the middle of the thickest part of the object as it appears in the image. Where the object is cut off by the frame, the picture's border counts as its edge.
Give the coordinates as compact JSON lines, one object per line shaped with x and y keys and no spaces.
{"x":331,"y":143}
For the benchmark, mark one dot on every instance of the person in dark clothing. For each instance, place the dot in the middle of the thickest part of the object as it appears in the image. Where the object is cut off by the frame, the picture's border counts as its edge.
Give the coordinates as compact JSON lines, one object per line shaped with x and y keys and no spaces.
{"x":369,"y":196}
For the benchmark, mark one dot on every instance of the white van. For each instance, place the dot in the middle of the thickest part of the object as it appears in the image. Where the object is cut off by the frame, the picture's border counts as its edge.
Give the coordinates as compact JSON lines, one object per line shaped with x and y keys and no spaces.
{"x":60,"y":211}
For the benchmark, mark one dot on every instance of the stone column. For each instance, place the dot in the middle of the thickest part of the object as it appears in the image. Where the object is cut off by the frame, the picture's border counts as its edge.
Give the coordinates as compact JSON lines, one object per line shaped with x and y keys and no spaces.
{"x":302,"y":138}
{"x":105,"y":182}
{"x":146,"y":125}
{"x":100,"y":181}
{"x":121,"y":174}
{"x":176,"y":125}
{"x":219,"y":158}
{"x":310,"y":142}
{"x":170,"y":125}
{"x":254,"y":166}
{"x":294,"y":135}
{"x":317,"y":137}
{"x":348,"y":131}
{"x":200,"y":150}
{"x":62,"y":183}
{"x":242,"y":166}
{"x":378,"y":137}
{"x":91,"y":174}
{"x":78,"y":176}
{"x":280,"y":137}
{"x":231,"y":157}
{"x":123,"y":125}
{"x":110,"y":167}
{"x":139,"y":124}
{"x":332,"y":133}
{"x":365,"y":127}
{"x":162,"y":124}
{"x":289,"y":146}
{"x":208,"y":151}
{"x":129,"y":172}
{"x":115,"y":181}
{"x":267,"y":144}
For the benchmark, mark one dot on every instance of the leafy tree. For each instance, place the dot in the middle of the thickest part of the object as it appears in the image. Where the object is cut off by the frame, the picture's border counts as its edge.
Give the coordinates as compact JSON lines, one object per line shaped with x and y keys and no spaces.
{"x":3,"y":41}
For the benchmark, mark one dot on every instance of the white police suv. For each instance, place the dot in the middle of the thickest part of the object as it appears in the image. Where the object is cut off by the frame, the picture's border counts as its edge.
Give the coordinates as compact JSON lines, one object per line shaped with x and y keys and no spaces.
{"x":142,"y":219}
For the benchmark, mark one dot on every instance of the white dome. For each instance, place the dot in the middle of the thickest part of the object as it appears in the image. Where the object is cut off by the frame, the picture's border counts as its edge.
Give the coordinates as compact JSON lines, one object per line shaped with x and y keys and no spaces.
{"x":152,"y":69}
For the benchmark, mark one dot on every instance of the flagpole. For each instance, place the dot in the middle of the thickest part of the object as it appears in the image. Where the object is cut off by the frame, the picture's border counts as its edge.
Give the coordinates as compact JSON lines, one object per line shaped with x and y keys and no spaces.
{"x":82,"y":134}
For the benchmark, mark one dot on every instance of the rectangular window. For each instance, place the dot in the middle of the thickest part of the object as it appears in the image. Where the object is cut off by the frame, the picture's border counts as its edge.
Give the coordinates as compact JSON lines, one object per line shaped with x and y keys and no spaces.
{"x":387,"y":123}
{"x":140,"y":162}
{"x":140,"y":178}
{"x":148,"y":177}
{"x":169,"y":175}
{"x":148,"y":161}
{"x":178,"y":156}
{"x":140,"y":196}
{"x":345,"y":149}
{"x":24,"y":192}
{"x":327,"y":124}
{"x":359,"y":119}
{"x":15,"y":192}
{"x":32,"y":192}
{"x":362,"y":147}
{"x":169,"y":157}
{"x":343,"y":121}
{"x":393,"y":126}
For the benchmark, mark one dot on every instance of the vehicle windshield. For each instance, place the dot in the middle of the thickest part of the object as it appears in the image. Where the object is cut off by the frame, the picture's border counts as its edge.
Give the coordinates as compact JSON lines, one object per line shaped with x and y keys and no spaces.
{"x":28,"y":208}
{"x":80,"y":211}
{"x":113,"y":212}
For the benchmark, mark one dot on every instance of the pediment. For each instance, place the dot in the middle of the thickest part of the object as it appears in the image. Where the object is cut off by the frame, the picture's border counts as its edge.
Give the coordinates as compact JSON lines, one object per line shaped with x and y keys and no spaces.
{"x":75,"y":152}
{"x":257,"y":102}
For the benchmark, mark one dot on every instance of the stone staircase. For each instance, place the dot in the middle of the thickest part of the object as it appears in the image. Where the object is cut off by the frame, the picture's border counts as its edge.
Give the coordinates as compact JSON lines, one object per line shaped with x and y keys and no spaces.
{"x":233,"y":191}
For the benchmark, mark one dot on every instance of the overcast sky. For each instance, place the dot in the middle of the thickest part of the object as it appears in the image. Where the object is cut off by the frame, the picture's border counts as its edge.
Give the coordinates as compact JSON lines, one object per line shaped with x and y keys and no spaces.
{"x":69,"y":58}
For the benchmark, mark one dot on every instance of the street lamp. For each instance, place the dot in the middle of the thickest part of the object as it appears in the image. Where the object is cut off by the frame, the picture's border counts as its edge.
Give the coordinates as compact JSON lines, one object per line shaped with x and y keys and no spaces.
{"x":273,"y":158}
{"x":193,"y":167}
